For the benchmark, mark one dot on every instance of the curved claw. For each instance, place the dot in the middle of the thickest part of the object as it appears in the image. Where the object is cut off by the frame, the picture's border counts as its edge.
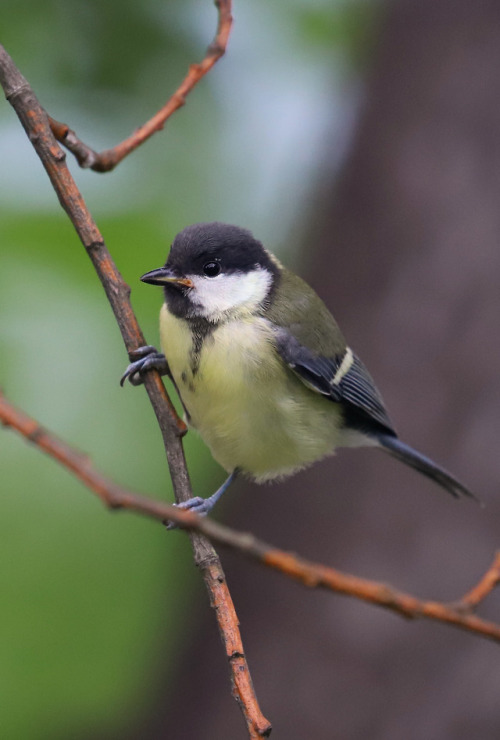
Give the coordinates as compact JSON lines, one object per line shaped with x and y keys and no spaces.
{"x":148,"y":358}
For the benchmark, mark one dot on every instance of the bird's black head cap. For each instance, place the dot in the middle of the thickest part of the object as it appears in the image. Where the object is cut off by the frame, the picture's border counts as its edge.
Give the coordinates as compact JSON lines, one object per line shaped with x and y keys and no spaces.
{"x":233,"y":248}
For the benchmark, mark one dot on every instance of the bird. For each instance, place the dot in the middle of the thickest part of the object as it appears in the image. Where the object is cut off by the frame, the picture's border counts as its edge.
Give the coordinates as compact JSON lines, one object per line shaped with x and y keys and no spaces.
{"x":261,"y":367}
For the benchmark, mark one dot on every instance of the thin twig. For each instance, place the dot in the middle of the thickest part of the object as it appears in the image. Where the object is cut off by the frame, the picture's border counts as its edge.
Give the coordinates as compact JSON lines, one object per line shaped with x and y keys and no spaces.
{"x":310,"y":574}
{"x":488,"y":582}
{"x":35,"y":122}
{"x":109,"y":158}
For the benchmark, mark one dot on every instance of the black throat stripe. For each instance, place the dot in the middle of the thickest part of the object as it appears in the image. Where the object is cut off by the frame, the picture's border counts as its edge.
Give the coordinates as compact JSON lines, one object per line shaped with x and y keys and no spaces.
{"x":201,"y":329}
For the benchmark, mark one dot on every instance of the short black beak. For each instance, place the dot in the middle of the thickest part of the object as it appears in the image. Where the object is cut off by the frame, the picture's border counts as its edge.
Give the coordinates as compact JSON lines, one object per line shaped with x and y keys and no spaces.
{"x":165,"y":276}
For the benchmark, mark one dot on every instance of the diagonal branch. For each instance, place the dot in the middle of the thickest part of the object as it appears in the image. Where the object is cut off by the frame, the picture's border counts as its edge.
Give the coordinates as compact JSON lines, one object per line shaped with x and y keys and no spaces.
{"x":35,"y":122}
{"x":459,"y":614}
{"x":109,"y":158}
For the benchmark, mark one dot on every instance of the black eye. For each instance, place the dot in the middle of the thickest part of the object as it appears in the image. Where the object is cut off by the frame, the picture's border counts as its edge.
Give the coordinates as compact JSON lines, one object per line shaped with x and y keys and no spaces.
{"x":211,"y":269}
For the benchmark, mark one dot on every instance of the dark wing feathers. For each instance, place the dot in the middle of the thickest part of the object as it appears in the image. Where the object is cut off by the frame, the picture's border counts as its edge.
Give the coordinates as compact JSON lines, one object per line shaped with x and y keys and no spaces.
{"x":315,"y":371}
{"x":342,"y":378}
{"x":358,"y":389}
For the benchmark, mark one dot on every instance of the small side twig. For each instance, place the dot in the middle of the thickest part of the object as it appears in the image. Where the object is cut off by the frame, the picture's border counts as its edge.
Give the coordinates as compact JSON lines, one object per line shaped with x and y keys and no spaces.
{"x":488,"y":582}
{"x":312,"y":575}
{"x":108,"y":159}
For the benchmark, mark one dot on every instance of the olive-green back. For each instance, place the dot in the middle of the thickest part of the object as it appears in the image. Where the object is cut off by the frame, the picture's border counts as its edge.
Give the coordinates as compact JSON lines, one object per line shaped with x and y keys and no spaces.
{"x":298,"y":308}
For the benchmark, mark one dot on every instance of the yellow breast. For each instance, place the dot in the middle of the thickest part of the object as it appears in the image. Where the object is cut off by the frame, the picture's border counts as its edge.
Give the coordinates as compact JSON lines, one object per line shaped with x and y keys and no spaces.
{"x":249,"y":408}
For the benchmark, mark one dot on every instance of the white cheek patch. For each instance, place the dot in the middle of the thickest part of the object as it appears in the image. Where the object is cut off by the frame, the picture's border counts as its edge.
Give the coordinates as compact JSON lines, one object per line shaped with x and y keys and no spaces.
{"x":216,"y":296}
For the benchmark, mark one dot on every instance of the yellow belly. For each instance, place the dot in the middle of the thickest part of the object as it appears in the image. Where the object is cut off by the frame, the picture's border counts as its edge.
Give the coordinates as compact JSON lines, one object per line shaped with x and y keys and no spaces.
{"x":254,"y":415}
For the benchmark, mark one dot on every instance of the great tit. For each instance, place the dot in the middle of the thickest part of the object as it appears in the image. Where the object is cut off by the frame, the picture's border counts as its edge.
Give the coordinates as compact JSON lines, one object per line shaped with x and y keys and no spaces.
{"x":261,"y":367}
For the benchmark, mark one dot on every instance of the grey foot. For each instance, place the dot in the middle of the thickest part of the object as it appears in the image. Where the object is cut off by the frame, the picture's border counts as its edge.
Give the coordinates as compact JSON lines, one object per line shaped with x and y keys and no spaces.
{"x":202,"y":506}
{"x":199,"y":505}
{"x":144,"y":359}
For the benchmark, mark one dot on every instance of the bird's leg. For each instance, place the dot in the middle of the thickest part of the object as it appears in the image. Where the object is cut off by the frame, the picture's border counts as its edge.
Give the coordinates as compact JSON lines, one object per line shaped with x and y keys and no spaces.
{"x":203,"y":506}
{"x":144,"y":359}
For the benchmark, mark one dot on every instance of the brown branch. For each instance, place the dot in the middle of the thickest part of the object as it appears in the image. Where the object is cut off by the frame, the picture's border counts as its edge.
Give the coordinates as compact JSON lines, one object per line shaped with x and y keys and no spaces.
{"x":109,"y":158}
{"x":459,"y":614}
{"x":36,"y":124}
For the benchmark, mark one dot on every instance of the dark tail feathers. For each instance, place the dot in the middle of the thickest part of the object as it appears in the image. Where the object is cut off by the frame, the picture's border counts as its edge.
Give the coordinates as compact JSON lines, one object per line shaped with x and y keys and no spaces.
{"x":423,"y":464}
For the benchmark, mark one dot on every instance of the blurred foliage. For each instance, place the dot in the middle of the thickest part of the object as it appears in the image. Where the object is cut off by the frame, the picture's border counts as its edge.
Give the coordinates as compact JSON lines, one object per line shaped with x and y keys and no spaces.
{"x":93,"y":602}
{"x":349,"y":30}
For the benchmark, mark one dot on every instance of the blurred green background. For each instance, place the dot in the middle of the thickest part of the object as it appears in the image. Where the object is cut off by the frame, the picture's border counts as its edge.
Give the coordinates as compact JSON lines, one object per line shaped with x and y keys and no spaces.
{"x":93,"y":602}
